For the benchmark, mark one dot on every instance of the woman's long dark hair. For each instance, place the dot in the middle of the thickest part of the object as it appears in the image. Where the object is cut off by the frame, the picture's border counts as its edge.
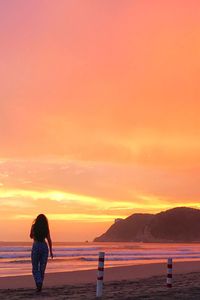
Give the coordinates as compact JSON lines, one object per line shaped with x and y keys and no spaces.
{"x":40,"y":228}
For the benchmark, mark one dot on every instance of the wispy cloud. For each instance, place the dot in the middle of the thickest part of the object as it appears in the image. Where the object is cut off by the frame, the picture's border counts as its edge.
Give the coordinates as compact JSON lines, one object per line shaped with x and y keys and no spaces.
{"x":100,"y":116}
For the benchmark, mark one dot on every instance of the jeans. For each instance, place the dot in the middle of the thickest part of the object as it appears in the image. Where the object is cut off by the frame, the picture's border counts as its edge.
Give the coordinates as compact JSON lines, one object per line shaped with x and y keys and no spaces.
{"x":39,"y":257}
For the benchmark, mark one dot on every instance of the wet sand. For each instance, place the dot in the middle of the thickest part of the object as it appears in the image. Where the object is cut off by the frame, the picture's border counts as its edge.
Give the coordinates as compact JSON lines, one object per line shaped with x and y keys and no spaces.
{"x":135,"y":282}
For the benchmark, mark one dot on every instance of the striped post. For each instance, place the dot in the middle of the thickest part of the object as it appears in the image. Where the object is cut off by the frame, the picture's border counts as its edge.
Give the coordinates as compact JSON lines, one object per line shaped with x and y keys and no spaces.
{"x":169,"y":272}
{"x":100,"y":273}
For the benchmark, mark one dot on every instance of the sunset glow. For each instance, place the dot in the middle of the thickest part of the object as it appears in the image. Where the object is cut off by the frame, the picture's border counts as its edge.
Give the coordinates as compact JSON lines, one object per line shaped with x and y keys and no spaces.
{"x":99,"y":112}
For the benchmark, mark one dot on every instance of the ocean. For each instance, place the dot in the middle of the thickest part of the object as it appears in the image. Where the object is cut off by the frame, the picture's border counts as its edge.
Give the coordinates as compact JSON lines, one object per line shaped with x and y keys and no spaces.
{"x":15,"y":257}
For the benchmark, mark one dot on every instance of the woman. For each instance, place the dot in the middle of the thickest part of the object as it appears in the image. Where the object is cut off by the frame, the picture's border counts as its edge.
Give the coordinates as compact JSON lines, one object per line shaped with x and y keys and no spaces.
{"x":39,"y":255}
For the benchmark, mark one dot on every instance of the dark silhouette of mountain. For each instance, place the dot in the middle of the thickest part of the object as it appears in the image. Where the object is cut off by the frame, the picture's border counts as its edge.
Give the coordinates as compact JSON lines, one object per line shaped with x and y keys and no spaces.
{"x":180,"y":224}
{"x":129,"y":229}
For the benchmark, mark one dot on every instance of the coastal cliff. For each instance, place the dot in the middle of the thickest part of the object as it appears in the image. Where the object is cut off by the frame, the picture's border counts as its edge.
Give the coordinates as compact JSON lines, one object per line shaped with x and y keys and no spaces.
{"x":180,"y":224}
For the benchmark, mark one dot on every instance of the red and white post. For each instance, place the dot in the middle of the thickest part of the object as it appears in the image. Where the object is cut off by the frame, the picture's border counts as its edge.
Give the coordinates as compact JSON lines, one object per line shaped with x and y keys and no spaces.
{"x":169,"y":272}
{"x":100,"y":274}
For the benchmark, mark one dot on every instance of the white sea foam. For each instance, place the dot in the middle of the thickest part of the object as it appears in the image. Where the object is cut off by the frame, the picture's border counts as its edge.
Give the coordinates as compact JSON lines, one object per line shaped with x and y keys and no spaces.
{"x":116,"y":255}
{"x":80,"y":256}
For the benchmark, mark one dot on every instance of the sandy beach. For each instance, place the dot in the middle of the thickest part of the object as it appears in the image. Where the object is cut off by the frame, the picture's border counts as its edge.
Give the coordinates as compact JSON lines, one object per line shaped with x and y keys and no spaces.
{"x":132,"y":282}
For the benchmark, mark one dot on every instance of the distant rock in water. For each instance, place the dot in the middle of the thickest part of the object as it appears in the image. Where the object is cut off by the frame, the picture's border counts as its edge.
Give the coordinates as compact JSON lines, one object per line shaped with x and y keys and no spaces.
{"x":181,"y":224}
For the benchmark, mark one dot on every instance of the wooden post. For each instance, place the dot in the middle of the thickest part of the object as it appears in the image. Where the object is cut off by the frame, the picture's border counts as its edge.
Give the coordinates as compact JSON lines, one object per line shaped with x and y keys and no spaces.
{"x":100,"y":274}
{"x":169,"y":272}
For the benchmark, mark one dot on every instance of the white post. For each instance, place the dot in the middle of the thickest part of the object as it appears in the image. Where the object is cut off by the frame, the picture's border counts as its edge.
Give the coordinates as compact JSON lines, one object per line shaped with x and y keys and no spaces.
{"x":100,"y":274}
{"x":169,"y":272}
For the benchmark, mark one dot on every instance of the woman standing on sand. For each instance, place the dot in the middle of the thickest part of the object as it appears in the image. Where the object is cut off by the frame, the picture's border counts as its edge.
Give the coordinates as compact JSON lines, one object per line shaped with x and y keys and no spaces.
{"x":39,"y":255}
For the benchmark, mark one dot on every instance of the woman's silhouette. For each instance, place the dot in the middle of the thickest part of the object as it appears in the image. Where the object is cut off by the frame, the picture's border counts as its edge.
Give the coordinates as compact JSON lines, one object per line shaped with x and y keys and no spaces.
{"x":39,"y":255}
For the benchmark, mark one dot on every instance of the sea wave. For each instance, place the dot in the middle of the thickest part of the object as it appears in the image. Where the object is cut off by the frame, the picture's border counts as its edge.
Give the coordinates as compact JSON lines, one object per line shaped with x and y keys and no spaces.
{"x":108,"y":256}
{"x":61,"y":249}
{"x":141,"y":258}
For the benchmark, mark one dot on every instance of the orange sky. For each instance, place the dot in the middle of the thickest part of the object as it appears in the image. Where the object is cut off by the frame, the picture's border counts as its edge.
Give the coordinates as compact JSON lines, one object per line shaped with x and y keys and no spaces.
{"x":99,"y":112}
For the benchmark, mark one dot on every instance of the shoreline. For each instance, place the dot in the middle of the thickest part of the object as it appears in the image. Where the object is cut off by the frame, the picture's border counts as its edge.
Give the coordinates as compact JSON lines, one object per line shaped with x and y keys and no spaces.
{"x":129,"y":273}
